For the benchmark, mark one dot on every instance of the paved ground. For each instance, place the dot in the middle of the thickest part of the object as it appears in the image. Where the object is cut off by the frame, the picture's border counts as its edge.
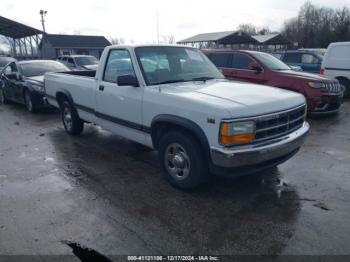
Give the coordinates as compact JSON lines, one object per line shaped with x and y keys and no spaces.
{"x":107,"y":193}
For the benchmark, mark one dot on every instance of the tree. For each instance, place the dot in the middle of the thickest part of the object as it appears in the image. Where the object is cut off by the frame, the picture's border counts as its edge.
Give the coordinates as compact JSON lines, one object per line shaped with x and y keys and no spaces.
{"x":248,"y":29}
{"x":169,"y":39}
{"x":318,"y":26}
{"x":117,"y":40}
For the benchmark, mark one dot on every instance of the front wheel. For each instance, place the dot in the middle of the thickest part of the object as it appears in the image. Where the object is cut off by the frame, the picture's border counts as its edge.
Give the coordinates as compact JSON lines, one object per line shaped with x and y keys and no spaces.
{"x":70,"y":118}
{"x":182,"y":160}
{"x":28,"y":101}
{"x":346,"y":84}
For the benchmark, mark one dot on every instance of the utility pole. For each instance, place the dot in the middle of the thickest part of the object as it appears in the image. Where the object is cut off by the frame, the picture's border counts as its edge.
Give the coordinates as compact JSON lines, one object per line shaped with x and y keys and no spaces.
{"x":42,"y":14}
{"x":157,"y":27}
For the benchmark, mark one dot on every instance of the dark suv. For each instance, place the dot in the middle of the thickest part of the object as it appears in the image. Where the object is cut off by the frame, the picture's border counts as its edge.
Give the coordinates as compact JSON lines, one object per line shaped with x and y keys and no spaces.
{"x":323,"y":95}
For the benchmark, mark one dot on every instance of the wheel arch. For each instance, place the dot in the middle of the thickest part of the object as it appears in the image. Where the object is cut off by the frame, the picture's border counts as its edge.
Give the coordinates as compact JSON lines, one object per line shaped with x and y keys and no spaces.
{"x":162,"y":123}
{"x":64,"y":94}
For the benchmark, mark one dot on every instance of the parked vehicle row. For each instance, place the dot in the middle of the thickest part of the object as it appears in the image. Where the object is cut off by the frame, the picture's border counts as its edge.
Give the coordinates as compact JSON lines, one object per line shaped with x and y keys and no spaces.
{"x":323,"y":95}
{"x":174,"y":100}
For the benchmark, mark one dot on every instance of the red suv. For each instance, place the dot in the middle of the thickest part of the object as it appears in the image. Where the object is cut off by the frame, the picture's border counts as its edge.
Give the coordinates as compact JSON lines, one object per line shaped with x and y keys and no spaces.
{"x":323,"y":95}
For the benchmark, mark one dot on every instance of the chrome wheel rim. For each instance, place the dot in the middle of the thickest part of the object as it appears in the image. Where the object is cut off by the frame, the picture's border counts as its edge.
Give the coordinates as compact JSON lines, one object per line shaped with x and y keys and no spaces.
{"x":67,"y":118}
{"x":177,"y":161}
{"x":28,"y":101}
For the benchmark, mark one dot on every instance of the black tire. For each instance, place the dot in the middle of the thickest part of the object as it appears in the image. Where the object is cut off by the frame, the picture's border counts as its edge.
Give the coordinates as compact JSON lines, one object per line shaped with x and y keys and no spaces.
{"x":194,"y":167}
{"x":3,"y":99}
{"x":70,"y":118}
{"x":346,"y":83}
{"x":29,"y":103}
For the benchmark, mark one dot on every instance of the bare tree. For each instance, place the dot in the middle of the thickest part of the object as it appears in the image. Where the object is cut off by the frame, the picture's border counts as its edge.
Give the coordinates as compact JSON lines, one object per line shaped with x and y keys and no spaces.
{"x":168,"y":39}
{"x":248,"y":28}
{"x":318,"y":26}
{"x":117,"y":40}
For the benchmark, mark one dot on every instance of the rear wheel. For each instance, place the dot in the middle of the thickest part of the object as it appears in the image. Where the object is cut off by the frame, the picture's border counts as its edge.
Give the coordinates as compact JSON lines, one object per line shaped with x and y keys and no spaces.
{"x":30,"y":105}
{"x":70,"y":118}
{"x":346,"y":84}
{"x":182,"y":160}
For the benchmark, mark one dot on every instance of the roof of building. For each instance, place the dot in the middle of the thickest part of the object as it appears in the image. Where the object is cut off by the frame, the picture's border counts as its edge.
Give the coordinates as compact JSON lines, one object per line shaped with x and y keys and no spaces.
{"x":270,"y":39}
{"x":77,"y":41}
{"x":207,"y":37}
{"x":16,"y":30}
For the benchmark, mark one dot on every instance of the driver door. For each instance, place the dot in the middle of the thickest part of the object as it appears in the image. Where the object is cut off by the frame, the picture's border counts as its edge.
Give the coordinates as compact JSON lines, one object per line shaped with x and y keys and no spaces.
{"x":9,"y":81}
{"x":119,"y":108}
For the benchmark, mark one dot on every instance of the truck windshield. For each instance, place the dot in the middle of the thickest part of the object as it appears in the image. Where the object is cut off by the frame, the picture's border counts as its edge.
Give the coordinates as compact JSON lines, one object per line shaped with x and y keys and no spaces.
{"x":39,"y":68}
{"x":86,"y":60}
{"x":163,"y":64}
{"x":271,"y":62}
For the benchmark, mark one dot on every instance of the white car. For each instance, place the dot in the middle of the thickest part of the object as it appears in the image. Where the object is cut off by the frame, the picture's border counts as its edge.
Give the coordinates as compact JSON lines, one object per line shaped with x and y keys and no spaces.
{"x":79,"y":62}
{"x":336,"y":64}
{"x":174,"y":100}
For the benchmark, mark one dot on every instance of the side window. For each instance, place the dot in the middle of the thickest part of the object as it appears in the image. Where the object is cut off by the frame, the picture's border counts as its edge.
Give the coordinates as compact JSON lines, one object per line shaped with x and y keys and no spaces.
{"x":292,"y":58}
{"x":64,"y":59}
{"x":241,"y":61}
{"x":11,"y":68}
{"x":220,"y":59}
{"x":70,"y":61}
{"x":309,"y":59}
{"x":118,"y":63}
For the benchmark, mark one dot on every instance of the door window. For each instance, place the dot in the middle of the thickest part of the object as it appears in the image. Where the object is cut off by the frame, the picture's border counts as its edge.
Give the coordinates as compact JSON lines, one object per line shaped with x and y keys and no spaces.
{"x":10,"y":69}
{"x":292,"y":58}
{"x":118,"y":63}
{"x":220,"y":59}
{"x":309,"y":59}
{"x":241,"y":61}
{"x":70,"y":61}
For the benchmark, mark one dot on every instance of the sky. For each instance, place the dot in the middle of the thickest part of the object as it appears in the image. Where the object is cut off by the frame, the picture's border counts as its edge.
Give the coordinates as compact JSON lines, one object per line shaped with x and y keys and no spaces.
{"x":136,"y":20}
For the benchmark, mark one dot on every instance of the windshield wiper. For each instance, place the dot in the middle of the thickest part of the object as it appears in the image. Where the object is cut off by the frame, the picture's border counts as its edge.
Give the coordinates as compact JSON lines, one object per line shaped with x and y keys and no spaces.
{"x":170,"y":81}
{"x":203,"y":78}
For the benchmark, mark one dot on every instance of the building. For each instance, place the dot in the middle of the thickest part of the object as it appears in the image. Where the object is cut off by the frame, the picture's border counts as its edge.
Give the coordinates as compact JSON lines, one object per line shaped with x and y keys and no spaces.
{"x":237,"y":40}
{"x":53,"y":46}
{"x":227,"y":39}
{"x":271,"y":42}
{"x":22,"y":40}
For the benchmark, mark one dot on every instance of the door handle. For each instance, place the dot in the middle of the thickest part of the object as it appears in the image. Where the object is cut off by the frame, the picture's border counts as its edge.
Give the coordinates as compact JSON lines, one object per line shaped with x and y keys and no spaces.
{"x":101,"y":88}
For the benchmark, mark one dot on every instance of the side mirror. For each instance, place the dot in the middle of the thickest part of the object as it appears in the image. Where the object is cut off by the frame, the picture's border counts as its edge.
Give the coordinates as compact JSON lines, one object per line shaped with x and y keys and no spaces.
{"x":256,"y":67}
{"x":14,"y":76}
{"x":127,"y":80}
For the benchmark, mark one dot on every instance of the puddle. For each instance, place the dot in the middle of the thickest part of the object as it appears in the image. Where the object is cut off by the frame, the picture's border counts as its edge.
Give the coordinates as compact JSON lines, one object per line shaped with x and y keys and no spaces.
{"x":86,"y":254}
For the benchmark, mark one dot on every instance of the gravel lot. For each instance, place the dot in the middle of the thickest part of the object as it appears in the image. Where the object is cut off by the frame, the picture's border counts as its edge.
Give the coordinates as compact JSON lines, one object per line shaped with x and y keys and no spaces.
{"x":107,"y":193}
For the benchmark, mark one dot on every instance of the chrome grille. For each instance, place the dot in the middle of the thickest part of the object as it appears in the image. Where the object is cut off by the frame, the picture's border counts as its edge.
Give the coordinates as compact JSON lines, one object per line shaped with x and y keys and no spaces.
{"x":333,"y":87}
{"x":279,"y":124}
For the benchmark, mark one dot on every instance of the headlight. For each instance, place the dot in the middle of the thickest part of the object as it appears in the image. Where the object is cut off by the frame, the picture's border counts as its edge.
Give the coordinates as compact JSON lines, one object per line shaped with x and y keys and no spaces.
{"x":237,"y":132}
{"x":317,"y":85}
{"x":38,"y":88}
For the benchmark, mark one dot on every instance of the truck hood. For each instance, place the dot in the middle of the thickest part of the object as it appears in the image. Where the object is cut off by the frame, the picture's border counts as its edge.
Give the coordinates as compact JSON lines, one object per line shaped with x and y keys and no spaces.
{"x":304,"y":75}
{"x":240,"y":99}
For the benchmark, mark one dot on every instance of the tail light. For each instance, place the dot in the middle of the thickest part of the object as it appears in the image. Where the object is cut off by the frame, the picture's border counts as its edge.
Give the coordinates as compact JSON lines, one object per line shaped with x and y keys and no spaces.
{"x":322,"y":70}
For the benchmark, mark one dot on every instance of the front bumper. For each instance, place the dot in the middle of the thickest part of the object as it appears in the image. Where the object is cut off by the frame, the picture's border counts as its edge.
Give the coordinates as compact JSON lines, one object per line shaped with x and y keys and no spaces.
{"x":258,"y":154}
{"x":328,"y":104}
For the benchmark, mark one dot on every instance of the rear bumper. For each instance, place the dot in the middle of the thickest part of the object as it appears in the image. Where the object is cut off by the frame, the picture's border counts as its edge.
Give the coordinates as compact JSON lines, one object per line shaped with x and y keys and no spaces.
{"x":255,"y":156}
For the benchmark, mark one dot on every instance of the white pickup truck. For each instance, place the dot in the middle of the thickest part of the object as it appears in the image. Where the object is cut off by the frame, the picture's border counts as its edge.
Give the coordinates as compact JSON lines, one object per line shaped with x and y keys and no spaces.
{"x":174,"y":100}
